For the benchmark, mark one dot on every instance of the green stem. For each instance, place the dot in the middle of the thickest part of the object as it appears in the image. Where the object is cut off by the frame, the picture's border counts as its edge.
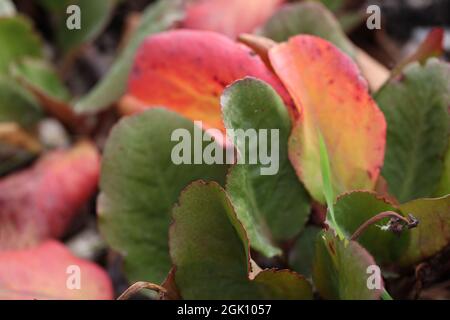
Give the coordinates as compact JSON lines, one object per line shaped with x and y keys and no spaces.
{"x":327,"y":184}
{"x":385,"y":295}
{"x":329,"y":195}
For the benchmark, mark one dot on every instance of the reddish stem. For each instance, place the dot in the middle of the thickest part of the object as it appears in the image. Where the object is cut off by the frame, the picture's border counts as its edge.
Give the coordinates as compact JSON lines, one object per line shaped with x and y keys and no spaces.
{"x":377,"y":218}
{"x":138,"y":286}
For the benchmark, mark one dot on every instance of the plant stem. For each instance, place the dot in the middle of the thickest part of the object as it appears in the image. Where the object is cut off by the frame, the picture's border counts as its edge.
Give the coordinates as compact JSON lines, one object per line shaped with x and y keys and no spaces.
{"x":375,"y":219}
{"x":329,"y":197}
{"x":138,"y":286}
{"x":327,"y":184}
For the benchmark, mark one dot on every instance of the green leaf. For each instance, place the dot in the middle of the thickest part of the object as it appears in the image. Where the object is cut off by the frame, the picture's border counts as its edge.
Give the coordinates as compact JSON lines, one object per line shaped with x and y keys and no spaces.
{"x":241,"y":191}
{"x":41,"y":75}
{"x":210,"y":252}
{"x":355,"y":208}
{"x":17,"y":105}
{"x":93,"y":19}
{"x":302,"y":254}
{"x":271,"y":207}
{"x":156,"y":18}
{"x":444,"y":186}
{"x":415,"y":107}
{"x":340,"y":269}
{"x":333,"y":5}
{"x":139,"y":185}
{"x":350,"y":20}
{"x":431,"y":46}
{"x":7,"y":8}
{"x":432,"y":234}
{"x":307,"y":18}
{"x":17,"y":40}
{"x":54,"y":5}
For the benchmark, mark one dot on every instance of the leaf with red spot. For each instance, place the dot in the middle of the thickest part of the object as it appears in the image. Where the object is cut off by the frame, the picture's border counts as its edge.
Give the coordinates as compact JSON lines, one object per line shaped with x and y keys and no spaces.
{"x":230,"y":17}
{"x":186,"y":71}
{"x":159,"y":16}
{"x":40,"y":202}
{"x":333,"y":100}
{"x":48,"y":272}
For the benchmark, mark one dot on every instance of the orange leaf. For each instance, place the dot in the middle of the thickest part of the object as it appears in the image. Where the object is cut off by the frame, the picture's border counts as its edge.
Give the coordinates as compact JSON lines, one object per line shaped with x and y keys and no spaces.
{"x":332,"y":99}
{"x":40,"y":202}
{"x":186,"y":71}
{"x":49,"y":271}
{"x":230,"y":17}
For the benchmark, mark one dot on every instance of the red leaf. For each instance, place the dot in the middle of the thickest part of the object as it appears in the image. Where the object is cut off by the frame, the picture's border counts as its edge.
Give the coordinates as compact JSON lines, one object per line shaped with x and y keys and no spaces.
{"x":333,"y":100}
{"x":230,"y":17}
{"x":40,"y":202}
{"x":44,"y":273}
{"x":186,"y":71}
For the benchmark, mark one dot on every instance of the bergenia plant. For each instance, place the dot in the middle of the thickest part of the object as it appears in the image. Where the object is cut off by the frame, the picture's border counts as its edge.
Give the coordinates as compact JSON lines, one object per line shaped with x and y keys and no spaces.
{"x":222,"y":157}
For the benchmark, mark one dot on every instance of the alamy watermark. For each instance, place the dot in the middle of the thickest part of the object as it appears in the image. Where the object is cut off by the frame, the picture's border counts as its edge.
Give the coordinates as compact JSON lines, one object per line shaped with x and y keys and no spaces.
{"x":73,"y":21}
{"x":73,"y":281}
{"x":262,"y":147}
{"x":374,"y":19}
{"x":374,"y":280}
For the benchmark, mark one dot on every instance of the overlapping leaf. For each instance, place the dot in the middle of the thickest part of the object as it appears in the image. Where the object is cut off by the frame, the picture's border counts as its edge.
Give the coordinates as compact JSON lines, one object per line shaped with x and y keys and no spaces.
{"x":302,"y":253}
{"x":432,"y":46}
{"x":17,"y":104}
{"x":18,"y":41}
{"x":42,"y":81}
{"x":268,"y":198}
{"x":415,"y":107}
{"x":427,"y":239}
{"x":432,"y":234}
{"x":44,"y":273}
{"x":340,"y":269}
{"x":42,"y":76}
{"x":186,"y":71}
{"x":355,"y":208}
{"x":40,"y":202}
{"x":349,"y":19}
{"x":229,"y":17}
{"x":210,"y":252}
{"x":140,"y":183}
{"x":332,"y":99}
{"x":156,"y":18}
{"x":19,"y":111}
